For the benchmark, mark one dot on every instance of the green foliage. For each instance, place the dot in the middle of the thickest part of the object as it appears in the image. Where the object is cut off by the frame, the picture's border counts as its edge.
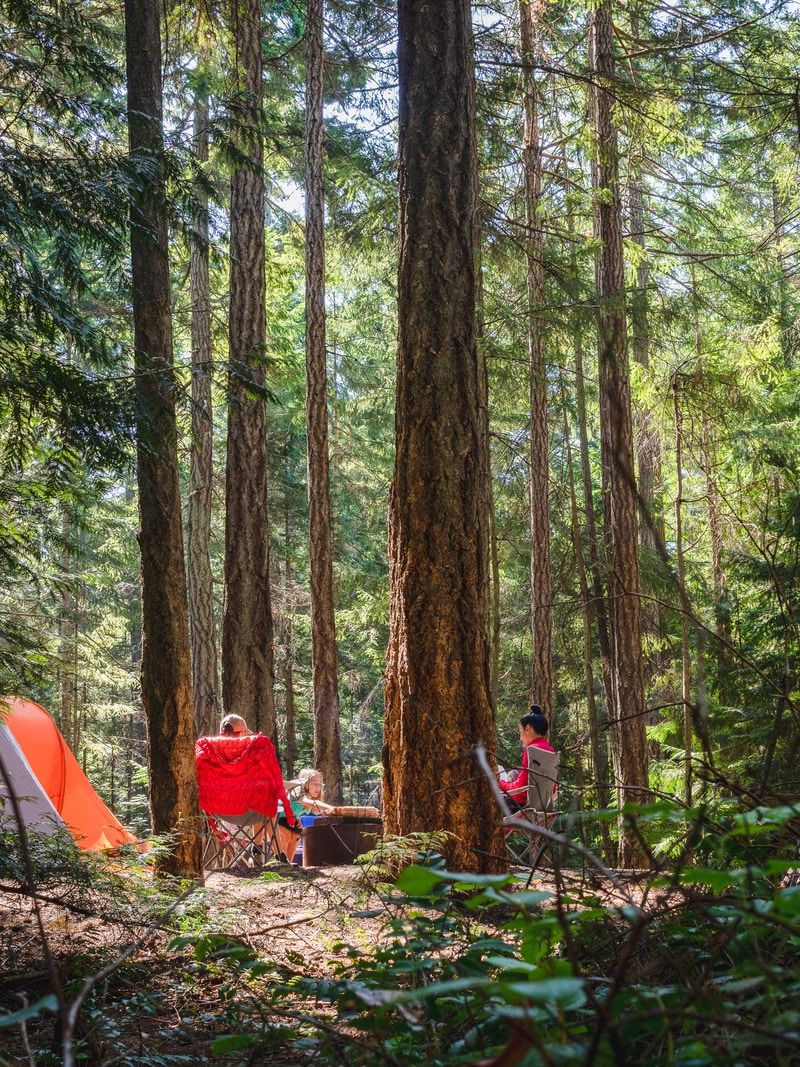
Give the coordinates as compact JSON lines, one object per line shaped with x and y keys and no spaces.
{"x":703,"y":970}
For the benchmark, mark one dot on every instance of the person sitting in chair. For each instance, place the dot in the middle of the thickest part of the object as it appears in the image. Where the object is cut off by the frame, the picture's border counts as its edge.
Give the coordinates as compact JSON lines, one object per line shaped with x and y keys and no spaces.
{"x":533,"y":729}
{"x":305,"y":798}
{"x":233,"y":726}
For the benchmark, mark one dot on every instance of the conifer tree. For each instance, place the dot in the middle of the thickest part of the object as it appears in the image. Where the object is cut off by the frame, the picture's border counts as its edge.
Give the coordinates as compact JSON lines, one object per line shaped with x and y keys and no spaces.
{"x":247,"y":625}
{"x":438,"y":701}
{"x":629,"y":745}
{"x":166,"y":665}
{"x":327,"y":745}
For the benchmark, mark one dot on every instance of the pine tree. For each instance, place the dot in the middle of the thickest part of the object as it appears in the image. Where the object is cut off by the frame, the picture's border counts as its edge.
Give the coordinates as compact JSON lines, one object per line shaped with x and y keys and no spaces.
{"x":166,"y":665}
{"x":437,"y":677}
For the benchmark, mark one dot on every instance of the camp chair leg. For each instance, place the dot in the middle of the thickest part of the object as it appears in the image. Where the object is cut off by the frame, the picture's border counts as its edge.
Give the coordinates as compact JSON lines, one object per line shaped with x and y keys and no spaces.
{"x":272,"y":844}
{"x":537,"y":859}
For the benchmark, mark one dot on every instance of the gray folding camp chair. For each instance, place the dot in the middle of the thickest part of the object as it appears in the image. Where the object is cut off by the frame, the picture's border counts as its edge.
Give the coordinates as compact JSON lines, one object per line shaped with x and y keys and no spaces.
{"x":543,"y":767}
{"x":235,"y":842}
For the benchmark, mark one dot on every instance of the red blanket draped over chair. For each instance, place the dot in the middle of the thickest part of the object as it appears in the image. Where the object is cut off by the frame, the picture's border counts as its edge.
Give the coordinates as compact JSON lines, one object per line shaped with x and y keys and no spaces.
{"x":239,"y":774}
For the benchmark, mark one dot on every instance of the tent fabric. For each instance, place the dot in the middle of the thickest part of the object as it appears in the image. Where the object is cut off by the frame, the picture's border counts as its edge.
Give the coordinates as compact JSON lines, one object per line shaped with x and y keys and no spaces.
{"x":92,"y":824}
{"x":239,"y":774}
{"x":35,"y":807}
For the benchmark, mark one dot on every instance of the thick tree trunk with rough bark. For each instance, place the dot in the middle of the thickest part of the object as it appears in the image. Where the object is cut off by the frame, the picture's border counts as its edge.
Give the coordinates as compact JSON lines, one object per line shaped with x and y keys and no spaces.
{"x":166,"y":664}
{"x":327,"y":742}
{"x":437,"y":678}
{"x":202,"y":627}
{"x":541,"y":613}
{"x":247,"y":628}
{"x":619,"y":487}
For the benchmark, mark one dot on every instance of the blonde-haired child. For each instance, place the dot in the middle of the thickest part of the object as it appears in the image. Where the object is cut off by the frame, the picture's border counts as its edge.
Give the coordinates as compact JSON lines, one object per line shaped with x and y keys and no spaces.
{"x":305,"y":797}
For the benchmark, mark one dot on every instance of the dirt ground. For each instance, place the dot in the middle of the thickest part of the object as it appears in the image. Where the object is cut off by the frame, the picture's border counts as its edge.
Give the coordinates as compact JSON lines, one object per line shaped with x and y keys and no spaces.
{"x":303,"y":920}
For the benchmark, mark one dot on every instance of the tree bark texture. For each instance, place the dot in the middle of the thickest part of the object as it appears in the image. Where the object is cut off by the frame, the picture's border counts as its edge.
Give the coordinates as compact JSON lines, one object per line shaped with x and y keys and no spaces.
{"x":324,"y":657}
{"x":597,"y":740}
{"x":166,"y":664}
{"x":686,"y":665}
{"x":597,"y":603}
{"x":202,"y":627}
{"x":68,"y":652}
{"x":541,"y":596}
{"x":788,"y":340}
{"x":648,"y":441}
{"x":290,"y":737}
{"x":437,"y":679}
{"x":619,"y":487}
{"x":247,"y":627}
{"x":493,"y":582}
{"x":722,"y":607}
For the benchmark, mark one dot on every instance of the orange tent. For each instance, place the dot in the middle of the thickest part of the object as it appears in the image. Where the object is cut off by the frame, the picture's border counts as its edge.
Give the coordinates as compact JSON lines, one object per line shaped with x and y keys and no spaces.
{"x":60,"y":776}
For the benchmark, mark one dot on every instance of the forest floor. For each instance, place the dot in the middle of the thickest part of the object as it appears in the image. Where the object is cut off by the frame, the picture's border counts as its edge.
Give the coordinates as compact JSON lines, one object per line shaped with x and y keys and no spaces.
{"x":162,"y":1002}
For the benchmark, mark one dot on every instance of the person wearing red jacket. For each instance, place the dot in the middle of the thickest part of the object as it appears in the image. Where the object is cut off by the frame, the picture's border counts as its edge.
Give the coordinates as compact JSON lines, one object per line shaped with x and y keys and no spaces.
{"x":533,"y":729}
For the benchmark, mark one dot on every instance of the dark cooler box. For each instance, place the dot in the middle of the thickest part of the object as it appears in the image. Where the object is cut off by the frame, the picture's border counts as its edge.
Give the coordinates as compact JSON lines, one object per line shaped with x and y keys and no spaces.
{"x":336,"y":840}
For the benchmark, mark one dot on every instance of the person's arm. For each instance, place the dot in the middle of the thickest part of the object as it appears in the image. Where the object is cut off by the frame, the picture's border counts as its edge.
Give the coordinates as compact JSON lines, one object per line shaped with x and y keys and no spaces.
{"x":517,"y":786}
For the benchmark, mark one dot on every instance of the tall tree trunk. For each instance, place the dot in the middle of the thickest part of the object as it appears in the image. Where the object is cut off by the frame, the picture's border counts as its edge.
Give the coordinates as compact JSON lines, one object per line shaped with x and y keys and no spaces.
{"x":247,"y":628}
{"x":597,"y":603}
{"x":722,"y":611}
{"x":541,"y":614}
{"x":327,"y":742}
{"x":597,"y":740}
{"x":438,"y":702}
{"x":619,"y":487}
{"x":137,"y":727}
{"x":648,"y":441}
{"x":290,"y":738}
{"x":68,"y":652}
{"x":166,"y":663}
{"x":686,"y":665}
{"x":787,"y":342}
{"x":494,"y":605}
{"x":493,"y":582}
{"x":198,"y":525}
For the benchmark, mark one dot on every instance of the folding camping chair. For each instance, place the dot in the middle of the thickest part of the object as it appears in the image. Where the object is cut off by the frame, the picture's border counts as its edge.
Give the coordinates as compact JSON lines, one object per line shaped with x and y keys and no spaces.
{"x":239,"y":784}
{"x":543,"y":767}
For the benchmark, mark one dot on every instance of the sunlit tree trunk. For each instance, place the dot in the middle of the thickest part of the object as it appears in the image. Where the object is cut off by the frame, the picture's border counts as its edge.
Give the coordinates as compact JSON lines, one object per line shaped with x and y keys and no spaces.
{"x":714,"y":508}
{"x":647,"y":439}
{"x":530,"y":14}
{"x":686,"y":665}
{"x":597,"y":739}
{"x":290,"y":738}
{"x":493,"y":583}
{"x":596,"y":605}
{"x":787,"y":339}
{"x":327,"y":742}
{"x":166,"y":663}
{"x":137,"y":733}
{"x":202,"y":626}
{"x":247,"y":626}
{"x":438,"y":702}
{"x":619,"y":487}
